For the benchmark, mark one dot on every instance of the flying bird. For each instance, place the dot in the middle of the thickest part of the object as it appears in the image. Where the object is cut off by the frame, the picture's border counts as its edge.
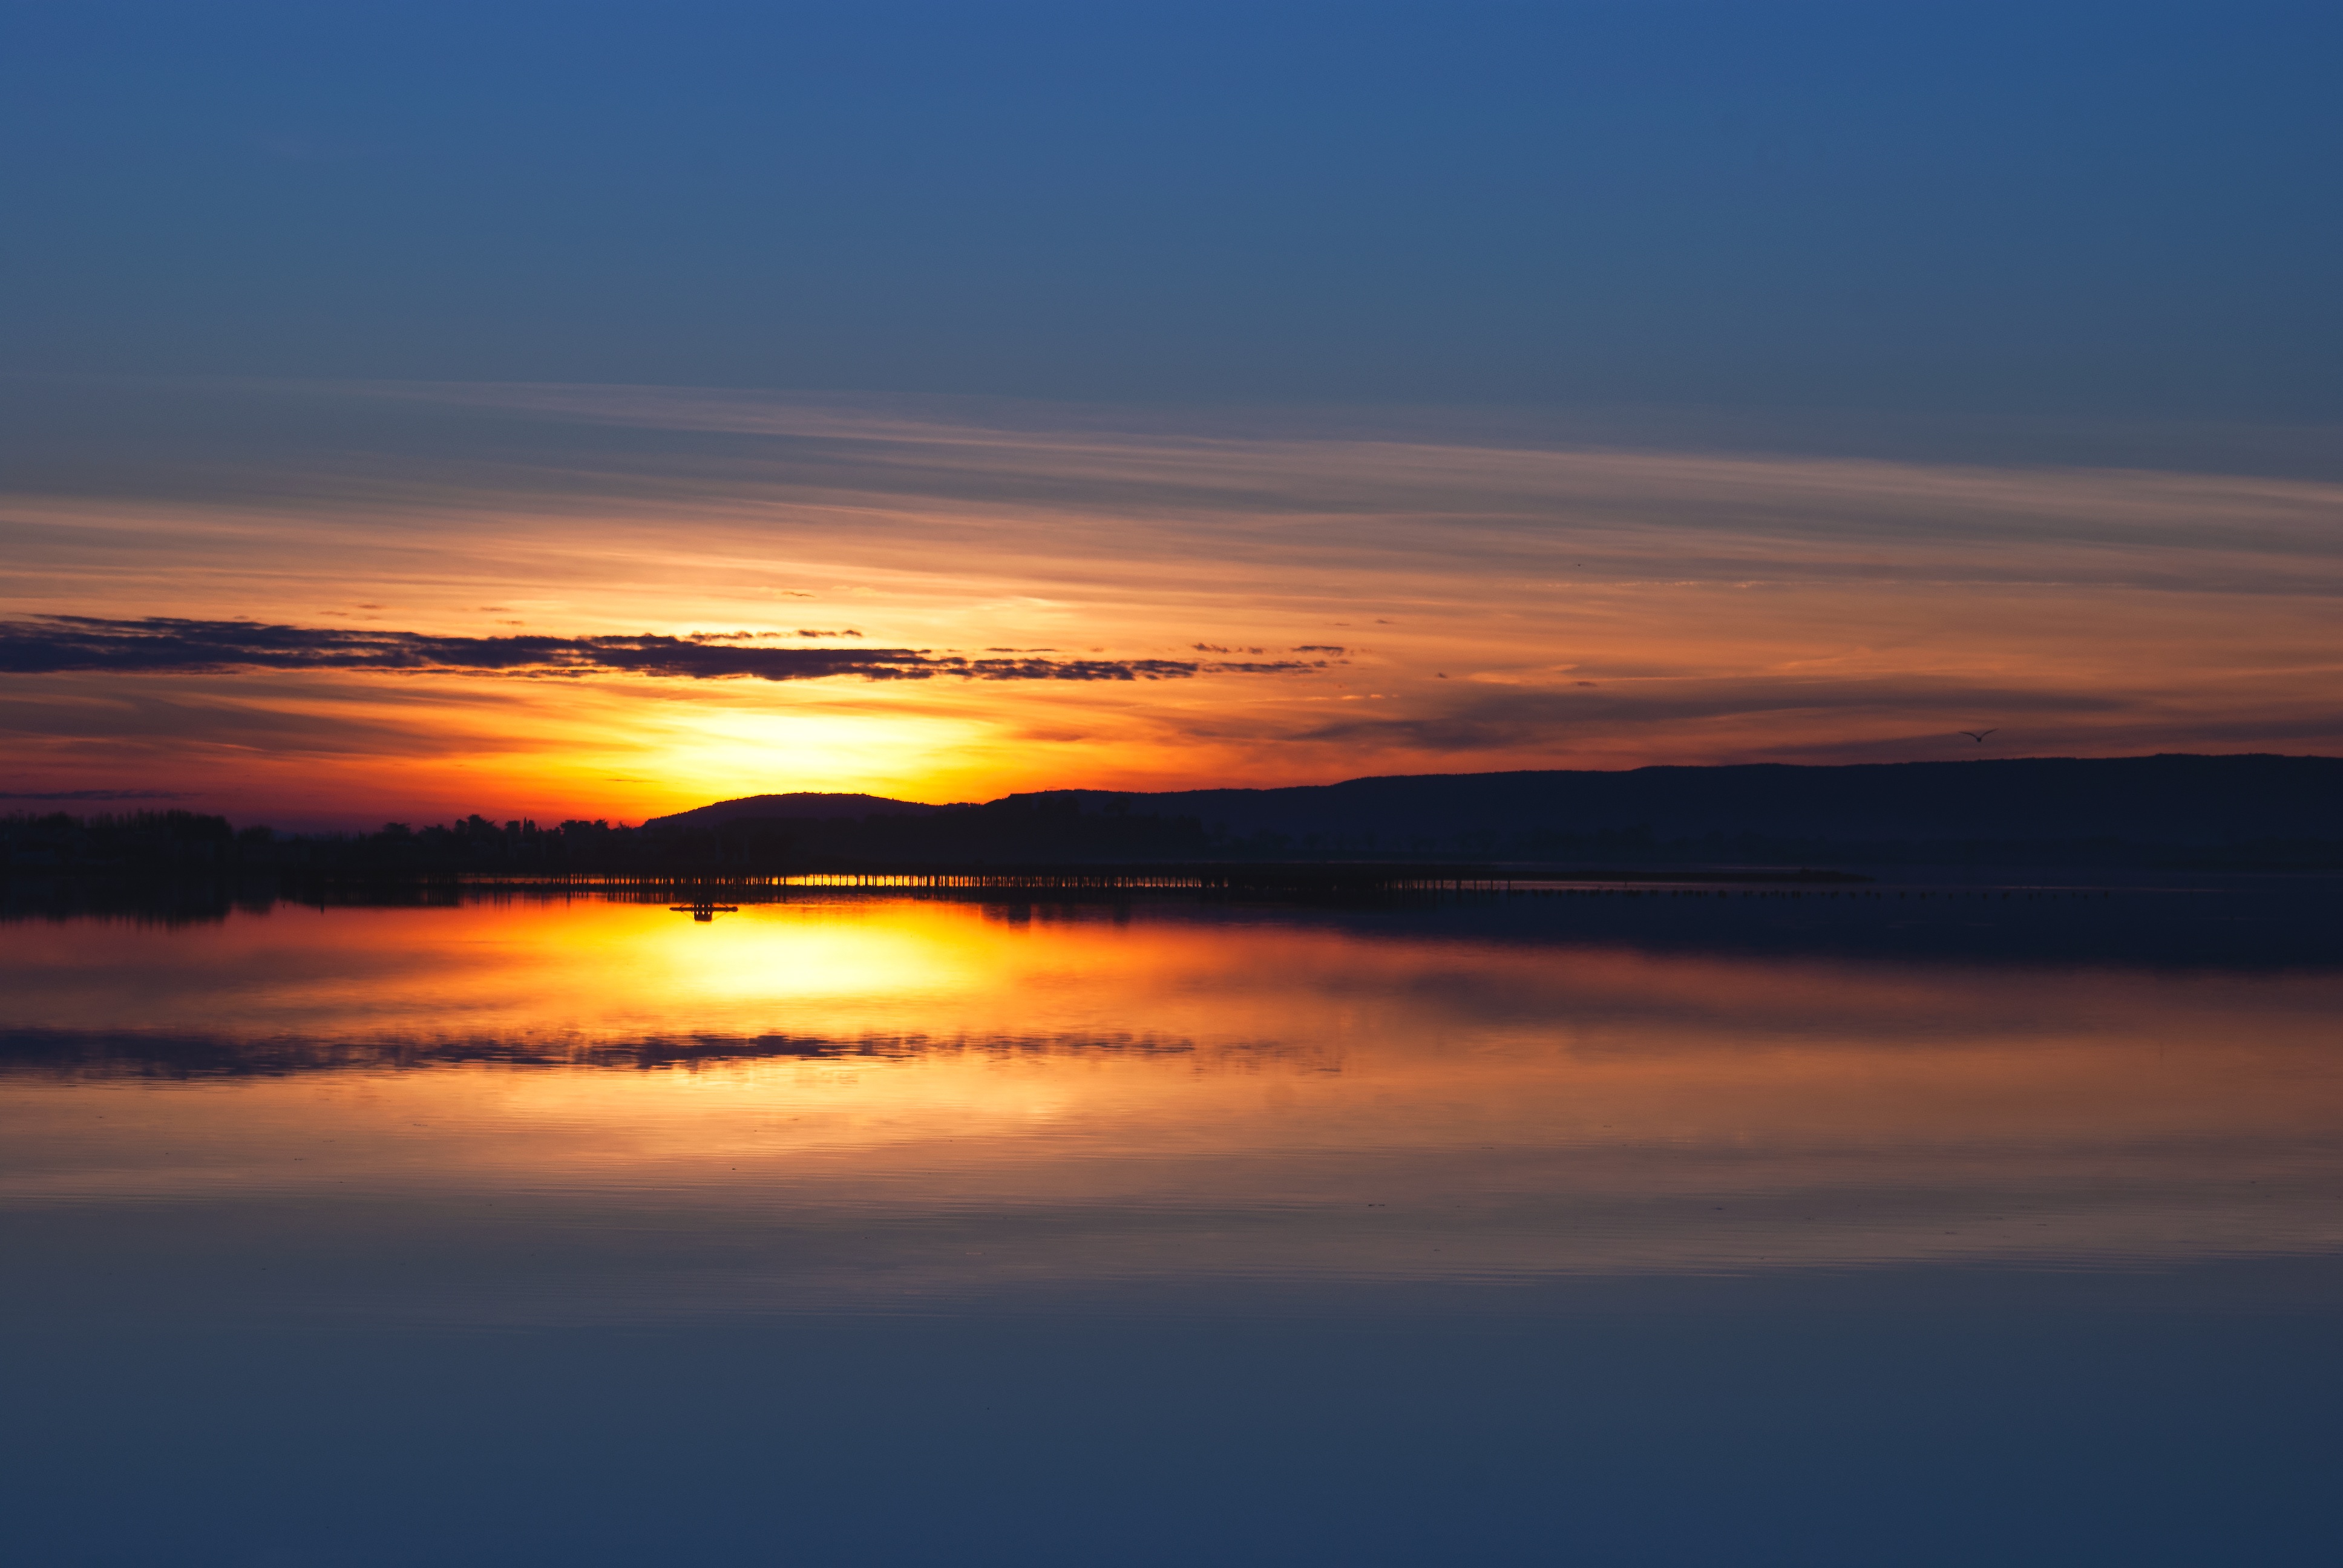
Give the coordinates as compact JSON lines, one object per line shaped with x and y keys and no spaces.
{"x":1978,"y":735}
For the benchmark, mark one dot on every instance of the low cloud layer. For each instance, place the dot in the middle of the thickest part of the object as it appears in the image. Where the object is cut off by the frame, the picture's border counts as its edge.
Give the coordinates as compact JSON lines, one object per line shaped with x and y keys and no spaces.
{"x":48,"y":645}
{"x":436,"y":601}
{"x":1510,"y":719}
{"x":88,"y":797}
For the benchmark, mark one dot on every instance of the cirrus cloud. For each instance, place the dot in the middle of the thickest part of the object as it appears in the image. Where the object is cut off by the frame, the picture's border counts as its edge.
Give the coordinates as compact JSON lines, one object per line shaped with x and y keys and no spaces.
{"x":48,"y":645}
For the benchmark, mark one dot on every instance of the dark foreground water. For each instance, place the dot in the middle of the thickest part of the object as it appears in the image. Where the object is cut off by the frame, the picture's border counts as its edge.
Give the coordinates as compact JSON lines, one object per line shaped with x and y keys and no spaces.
{"x":1974,"y":1229}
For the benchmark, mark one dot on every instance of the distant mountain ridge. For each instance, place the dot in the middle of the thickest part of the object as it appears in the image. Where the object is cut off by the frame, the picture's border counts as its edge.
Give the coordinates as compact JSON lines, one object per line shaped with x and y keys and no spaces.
{"x":1997,"y":808}
{"x":805,"y":805}
{"x":2238,"y":813}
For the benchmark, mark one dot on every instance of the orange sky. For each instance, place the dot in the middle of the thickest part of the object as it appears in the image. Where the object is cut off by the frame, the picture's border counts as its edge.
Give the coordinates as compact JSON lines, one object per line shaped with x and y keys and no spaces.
{"x":1497,"y":605}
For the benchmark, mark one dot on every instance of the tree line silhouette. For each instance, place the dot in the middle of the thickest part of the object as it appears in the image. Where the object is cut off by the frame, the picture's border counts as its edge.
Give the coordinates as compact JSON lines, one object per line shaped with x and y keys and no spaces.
{"x":1059,"y":827}
{"x":1015,"y":831}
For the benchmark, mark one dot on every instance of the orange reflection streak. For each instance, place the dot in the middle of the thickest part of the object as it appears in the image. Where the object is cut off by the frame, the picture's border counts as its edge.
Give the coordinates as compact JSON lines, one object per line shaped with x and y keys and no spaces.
{"x":1171,"y":1098}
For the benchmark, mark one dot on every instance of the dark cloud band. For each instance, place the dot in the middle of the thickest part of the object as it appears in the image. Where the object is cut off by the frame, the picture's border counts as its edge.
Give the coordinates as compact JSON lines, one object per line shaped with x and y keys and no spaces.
{"x":92,"y":795}
{"x":58,"y":644}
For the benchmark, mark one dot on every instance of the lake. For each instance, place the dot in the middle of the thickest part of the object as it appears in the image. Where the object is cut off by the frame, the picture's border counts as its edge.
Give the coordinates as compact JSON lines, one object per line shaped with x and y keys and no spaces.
{"x":1676,"y":1227}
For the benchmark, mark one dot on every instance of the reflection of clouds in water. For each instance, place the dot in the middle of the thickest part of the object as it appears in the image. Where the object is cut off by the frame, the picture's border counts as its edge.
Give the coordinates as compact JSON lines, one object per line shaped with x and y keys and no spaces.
{"x":167,"y":1054}
{"x":802,"y":1188}
{"x":937,"y":1106}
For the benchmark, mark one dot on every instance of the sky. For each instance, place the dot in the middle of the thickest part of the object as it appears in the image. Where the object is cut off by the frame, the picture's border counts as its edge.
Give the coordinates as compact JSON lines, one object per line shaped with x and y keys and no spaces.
{"x":596,"y":410}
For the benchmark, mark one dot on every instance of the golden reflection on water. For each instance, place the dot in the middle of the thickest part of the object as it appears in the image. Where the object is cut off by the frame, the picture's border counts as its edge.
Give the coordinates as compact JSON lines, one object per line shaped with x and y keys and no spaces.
{"x":937,"y":1097}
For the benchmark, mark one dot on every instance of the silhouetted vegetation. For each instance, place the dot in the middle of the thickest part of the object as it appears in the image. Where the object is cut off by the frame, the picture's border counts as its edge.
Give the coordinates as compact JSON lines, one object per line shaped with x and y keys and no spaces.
{"x":2200,"y":812}
{"x":1005,"y":831}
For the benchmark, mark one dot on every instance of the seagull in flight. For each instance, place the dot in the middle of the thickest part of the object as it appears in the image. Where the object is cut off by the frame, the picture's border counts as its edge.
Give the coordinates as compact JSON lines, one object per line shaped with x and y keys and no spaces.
{"x":1978,"y":735}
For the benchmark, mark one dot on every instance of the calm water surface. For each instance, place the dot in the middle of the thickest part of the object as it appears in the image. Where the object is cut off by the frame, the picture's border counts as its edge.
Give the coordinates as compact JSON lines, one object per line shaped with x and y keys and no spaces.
{"x":883,"y":1230}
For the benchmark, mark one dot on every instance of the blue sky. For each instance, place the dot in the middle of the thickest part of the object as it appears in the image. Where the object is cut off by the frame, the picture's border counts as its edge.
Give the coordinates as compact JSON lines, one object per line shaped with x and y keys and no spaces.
{"x":1364,"y":388}
{"x":2100,"y":211}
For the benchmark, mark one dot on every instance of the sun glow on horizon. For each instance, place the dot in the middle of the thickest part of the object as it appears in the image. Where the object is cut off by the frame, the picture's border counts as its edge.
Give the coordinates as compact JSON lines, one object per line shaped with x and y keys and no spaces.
{"x":1068,"y":608}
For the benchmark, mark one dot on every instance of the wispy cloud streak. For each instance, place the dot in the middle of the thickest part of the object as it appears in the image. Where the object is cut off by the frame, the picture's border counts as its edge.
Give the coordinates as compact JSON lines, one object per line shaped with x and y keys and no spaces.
{"x":442,"y":598}
{"x":88,"y":797}
{"x":48,"y":645}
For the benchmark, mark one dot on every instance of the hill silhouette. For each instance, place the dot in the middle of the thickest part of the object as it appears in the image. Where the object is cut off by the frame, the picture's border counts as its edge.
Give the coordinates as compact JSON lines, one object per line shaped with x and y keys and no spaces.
{"x":2061,"y":810}
{"x":2240,"y":812}
{"x":804,"y":805}
{"x":2171,"y":799}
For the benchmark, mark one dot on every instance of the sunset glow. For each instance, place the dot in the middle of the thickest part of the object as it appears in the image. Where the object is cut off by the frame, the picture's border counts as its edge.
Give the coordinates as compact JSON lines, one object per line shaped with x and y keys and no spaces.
{"x":1141,"y":610}
{"x":1273,"y":785}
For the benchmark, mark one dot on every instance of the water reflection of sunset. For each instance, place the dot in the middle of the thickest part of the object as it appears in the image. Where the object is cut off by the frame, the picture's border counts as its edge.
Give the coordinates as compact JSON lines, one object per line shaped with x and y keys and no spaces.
{"x":1105,"y":1097}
